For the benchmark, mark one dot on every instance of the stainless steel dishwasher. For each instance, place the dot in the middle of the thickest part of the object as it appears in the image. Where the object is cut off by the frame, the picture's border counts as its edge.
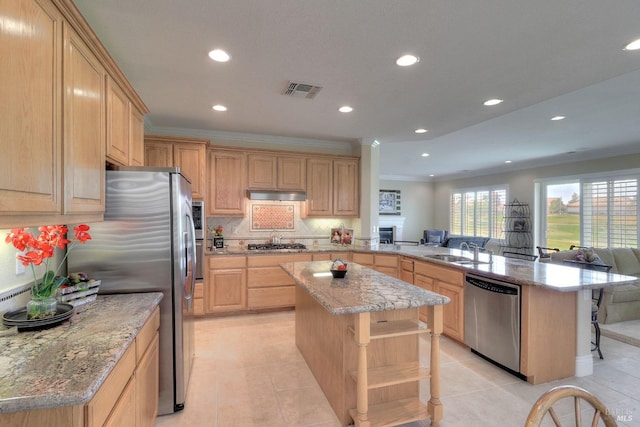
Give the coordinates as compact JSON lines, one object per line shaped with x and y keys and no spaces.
{"x":492,"y":320}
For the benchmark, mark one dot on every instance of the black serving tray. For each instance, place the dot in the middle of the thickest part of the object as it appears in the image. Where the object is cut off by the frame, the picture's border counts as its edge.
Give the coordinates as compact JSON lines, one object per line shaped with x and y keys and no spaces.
{"x":19,"y":319}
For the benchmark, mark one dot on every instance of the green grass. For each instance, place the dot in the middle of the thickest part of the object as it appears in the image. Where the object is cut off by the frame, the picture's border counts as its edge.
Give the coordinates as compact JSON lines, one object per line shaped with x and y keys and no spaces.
{"x":563,"y":230}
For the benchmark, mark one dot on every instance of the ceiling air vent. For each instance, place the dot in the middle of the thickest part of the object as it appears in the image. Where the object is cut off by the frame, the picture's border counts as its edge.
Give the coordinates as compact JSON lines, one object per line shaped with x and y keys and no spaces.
{"x":301,"y":90}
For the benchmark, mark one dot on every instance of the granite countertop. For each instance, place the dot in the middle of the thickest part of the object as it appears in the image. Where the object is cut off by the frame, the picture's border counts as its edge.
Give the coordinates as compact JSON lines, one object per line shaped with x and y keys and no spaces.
{"x":66,"y":364}
{"x":553,"y":276}
{"x":361,"y":290}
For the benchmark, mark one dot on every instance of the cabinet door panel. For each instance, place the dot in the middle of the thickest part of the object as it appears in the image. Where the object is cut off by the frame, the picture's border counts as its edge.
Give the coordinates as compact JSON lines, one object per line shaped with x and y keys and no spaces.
{"x":319,"y":187}
{"x":191,"y":159}
{"x":84,"y":128}
{"x":291,"y":173}
{"x":225,"y":291}
{"x":261,"y":171}
{"x":147,"y":378}
{"x":453,"y":316}
{"x":158,"y":154}
{"x":346,"y":200}
{"x":118,"y":124}
{"x":136,"y":133}
{"x":30,"y":113}
{"x":226,"y":183}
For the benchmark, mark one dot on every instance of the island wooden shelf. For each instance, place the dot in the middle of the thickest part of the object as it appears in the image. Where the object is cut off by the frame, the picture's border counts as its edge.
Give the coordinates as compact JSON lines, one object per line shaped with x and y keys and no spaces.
{"x":360,"y":338}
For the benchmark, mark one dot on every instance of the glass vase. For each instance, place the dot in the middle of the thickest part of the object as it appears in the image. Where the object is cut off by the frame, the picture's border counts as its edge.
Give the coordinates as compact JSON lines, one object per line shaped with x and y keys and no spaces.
{"x":41,"y":307}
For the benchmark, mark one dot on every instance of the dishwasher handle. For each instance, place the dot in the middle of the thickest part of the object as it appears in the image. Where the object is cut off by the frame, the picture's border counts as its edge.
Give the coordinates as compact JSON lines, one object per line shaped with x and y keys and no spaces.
{"x":498,"y":288}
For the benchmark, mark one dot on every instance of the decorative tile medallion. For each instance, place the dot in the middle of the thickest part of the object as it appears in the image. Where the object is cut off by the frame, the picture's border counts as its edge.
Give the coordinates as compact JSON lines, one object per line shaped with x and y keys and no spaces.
{"x":272,"y":217}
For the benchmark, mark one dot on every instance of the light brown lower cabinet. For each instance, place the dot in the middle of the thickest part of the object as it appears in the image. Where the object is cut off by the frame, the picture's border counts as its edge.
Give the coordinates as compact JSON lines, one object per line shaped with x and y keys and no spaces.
{"x":127,"y":397}
{"x":387,"y":264}
{"x":226,"y":284}
{"x":268,"y":286}
{"x":406,"y":269}
{"x":448,"y":282}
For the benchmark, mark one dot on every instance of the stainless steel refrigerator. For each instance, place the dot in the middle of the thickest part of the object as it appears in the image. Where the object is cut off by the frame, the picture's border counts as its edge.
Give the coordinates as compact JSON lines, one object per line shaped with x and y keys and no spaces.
{"x":147,"y":244}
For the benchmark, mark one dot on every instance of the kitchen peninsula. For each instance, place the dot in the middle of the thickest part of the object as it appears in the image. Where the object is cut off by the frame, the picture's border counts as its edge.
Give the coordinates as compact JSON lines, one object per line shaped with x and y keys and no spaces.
{"x":98,"y":368}
{"x":359,"y":336}
{"x":551,"y":295}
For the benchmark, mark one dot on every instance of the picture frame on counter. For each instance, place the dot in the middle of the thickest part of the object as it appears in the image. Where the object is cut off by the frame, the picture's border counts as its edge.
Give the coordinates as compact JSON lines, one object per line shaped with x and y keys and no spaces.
{"x":342,"y":236}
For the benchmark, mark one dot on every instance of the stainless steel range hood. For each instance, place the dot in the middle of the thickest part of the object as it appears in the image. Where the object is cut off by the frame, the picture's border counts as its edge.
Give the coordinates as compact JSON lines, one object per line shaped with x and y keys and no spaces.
{"x":291,"y":196}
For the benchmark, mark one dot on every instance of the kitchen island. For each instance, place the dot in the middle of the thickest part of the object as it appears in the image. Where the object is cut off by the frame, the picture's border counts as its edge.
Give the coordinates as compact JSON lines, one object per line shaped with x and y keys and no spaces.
{"x":99,"y":366}
{"x":359,"y":336}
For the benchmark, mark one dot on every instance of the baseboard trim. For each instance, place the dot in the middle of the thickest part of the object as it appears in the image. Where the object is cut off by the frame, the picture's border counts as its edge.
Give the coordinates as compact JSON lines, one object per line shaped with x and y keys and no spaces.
{"x":584,"y":365}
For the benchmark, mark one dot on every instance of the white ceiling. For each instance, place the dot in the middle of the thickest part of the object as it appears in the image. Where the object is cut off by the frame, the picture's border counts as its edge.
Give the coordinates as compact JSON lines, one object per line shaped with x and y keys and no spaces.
{"x":543,"y":57}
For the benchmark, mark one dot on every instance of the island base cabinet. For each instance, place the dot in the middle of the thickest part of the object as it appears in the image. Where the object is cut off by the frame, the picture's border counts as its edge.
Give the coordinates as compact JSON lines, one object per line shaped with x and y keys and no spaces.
{"x":548,"y":352}
{"x":330,"y":346}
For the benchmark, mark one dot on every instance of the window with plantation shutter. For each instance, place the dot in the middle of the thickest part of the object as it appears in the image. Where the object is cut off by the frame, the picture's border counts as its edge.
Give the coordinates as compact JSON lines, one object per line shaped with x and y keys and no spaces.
{"x":605,"y":212}
{"x":477,"y":212}
{"x":610,"y":213}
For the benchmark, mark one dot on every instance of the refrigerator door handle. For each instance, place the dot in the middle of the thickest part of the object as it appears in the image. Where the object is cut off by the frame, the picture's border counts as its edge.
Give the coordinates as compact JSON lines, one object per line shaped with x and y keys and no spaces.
{"x":192,"y":256}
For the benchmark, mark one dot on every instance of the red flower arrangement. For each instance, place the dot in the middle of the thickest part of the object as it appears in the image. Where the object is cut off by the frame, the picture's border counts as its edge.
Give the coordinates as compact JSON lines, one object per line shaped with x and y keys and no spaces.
{"x":40,"y":249}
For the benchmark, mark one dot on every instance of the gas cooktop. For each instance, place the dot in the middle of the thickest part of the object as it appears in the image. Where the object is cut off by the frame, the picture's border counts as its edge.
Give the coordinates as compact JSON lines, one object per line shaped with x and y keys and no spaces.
{"x":274,"y":246}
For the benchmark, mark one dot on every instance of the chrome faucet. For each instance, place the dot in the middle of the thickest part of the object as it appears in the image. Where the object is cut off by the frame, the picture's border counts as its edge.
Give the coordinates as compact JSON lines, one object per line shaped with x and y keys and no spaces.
{"x":468,"y":247}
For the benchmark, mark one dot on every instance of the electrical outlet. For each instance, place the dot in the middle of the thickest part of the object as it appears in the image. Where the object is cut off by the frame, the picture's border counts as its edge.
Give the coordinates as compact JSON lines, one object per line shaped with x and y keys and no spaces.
{"x":20,"y":269}
{"x":234,"y":230}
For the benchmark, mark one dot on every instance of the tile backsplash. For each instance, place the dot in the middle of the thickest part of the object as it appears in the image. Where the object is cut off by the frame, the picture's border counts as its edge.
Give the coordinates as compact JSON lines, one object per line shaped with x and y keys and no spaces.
{"x":274,"y":217}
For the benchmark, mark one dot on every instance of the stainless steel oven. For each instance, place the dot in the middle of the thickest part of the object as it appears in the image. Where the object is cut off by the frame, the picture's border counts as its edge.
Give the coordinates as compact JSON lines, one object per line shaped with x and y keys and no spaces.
{"x":199,"y":225}
{"x":199,"y":259}
{"x":197,"y":208}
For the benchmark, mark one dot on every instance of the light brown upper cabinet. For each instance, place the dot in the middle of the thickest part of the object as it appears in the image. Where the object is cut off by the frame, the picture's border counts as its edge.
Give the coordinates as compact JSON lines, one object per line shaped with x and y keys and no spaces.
{"x":52,"y":165}
{"x":332,"y":187}
{"x":84,"y":128}
{"x":125,"y":128}
{"x":189,"y":154}
{"x":54,"y":118}
{"x":270,"y":172}
{"x":226,"y":192}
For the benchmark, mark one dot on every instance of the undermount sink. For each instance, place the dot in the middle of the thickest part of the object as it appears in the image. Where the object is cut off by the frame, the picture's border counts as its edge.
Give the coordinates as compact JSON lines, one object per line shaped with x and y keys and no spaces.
{"x":449,"y":258}
{"x":470,"y":262}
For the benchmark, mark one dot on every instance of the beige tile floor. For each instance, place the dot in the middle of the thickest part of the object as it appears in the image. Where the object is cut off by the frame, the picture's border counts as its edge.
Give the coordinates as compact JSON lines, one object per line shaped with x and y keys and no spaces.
{"x":248,"y":372}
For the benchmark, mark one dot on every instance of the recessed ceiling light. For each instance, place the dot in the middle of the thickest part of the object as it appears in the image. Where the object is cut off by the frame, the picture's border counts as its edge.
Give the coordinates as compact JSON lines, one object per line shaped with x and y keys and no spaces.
{"x":507,"y":161}
{"x":345,"y":109}
{"x":494,"y":101}
{"x":407,"y":60}
{"x":431,"y":174}
{"x":219,"y":55}
{"x":425,"y":154}
{"x":556,"y":118}
{"x":634,"y":45}
{"x":421,"y":130}
{"x":219,"y":107}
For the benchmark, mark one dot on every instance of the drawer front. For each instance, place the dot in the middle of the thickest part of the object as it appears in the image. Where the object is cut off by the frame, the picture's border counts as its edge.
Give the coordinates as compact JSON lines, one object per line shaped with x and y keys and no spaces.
{"x":389,"y":271}
{"x":440,"y":273}
{"x":264,"y":277}
{"x":147,"y":333}
{"x":198,"y":291}
{"x":424,"y":282}
{"x":362,"y":259}
{"x":223,"y":261}
{"x":276,"y":260}
{"x":386,"y":260}
{"x":323,"y":256}
{"x":283,"y":296}
{"x":406,"y":264}
{"x":198,"y":306}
